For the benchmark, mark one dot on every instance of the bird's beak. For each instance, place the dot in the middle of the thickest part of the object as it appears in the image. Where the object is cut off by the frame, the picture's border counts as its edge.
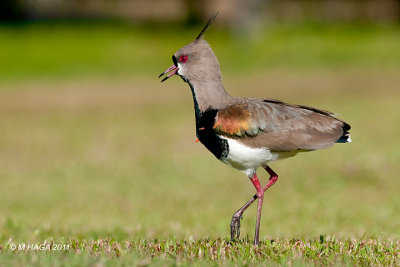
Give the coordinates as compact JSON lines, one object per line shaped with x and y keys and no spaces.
{"x":173,"y":69}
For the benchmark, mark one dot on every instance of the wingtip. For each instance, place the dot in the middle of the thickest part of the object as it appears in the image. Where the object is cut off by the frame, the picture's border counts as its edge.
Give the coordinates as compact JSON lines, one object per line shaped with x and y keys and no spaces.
{"x":344,"y":139}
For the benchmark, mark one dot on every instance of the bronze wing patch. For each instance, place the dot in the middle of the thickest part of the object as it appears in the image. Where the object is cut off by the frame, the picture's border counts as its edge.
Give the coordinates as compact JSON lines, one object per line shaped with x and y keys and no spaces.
{"x":236,"y":120}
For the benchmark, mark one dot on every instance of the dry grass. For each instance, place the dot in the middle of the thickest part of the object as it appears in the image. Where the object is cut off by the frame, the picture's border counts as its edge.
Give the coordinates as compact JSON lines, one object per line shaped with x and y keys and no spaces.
{"x":322,"y":251}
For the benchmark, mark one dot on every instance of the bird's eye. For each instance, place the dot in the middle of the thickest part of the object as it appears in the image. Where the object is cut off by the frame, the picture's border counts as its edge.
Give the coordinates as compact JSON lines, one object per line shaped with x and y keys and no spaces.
{"x":183,"y":59}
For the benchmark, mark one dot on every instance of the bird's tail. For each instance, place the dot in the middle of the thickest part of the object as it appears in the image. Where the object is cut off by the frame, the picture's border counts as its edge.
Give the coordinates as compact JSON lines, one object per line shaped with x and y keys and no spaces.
{"x":345,"y":138}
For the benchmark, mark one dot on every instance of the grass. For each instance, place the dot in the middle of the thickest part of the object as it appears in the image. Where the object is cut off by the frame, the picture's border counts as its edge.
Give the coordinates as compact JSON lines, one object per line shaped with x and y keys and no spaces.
{"x":319,"y":251}
{"x":96,"y":153}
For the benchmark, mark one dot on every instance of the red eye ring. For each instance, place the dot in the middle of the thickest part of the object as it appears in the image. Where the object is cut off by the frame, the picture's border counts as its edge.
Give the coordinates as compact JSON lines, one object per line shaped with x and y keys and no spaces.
{"x":183,"y":59}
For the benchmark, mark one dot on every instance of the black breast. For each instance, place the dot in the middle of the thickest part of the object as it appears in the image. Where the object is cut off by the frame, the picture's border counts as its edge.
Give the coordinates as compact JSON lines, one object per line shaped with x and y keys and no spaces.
{"x":207,"y":136}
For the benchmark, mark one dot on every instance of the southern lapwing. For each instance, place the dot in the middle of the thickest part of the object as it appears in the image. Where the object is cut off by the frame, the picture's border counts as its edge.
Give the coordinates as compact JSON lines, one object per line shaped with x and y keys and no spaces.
{"x":247,"y":133}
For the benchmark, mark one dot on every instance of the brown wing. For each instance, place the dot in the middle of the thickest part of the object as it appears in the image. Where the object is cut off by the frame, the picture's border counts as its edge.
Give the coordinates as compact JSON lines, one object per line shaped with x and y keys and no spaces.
{"x":279,"y":126}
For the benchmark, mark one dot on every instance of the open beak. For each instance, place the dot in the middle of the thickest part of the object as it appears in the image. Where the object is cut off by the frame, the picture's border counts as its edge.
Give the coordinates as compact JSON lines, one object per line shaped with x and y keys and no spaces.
{"x":171,"y":70}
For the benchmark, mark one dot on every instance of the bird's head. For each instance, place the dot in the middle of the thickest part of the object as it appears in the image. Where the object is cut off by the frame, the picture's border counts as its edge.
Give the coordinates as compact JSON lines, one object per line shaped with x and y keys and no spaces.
{"x":195,"y":61}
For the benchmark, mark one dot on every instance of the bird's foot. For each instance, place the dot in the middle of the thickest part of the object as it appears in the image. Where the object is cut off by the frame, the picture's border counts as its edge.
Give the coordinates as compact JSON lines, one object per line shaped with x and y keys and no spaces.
{"x":256,"y":242}
{"x":235,"y":226}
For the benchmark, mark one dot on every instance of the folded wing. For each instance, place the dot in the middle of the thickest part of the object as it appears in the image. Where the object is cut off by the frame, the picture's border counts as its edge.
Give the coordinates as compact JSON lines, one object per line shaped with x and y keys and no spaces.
{"x":279,"y":126}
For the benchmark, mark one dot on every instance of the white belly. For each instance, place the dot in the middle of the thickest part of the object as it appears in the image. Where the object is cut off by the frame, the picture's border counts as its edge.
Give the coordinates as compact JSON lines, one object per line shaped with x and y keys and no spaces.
{"x":247,"y":159}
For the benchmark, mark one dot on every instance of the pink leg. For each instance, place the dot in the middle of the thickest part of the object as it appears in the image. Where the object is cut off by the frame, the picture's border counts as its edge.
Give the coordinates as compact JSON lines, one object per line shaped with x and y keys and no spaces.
{"x":237,"y":216}
{"x":235,"y":223}
{"x":272,"y":178}
{"x":260,"y":196}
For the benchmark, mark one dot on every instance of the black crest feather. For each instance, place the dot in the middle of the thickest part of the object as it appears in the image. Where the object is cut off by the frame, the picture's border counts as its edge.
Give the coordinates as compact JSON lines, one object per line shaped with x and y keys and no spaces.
{"x":207,"y":26}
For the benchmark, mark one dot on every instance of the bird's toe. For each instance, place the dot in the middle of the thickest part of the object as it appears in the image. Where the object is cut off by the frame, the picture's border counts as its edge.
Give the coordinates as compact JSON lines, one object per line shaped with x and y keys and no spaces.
{"x":235,"y":226}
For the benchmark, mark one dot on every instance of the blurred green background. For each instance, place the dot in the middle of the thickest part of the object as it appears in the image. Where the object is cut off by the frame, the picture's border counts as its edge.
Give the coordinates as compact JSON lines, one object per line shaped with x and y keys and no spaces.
{"x":92,"y":145}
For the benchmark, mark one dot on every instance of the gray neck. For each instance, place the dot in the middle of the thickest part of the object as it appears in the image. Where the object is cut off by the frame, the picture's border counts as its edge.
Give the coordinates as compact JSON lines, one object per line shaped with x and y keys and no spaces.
{"x":209,"y":95}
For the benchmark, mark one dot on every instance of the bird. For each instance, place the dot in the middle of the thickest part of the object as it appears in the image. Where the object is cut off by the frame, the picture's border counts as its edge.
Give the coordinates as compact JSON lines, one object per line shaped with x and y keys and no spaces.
{"x":248,"y":133}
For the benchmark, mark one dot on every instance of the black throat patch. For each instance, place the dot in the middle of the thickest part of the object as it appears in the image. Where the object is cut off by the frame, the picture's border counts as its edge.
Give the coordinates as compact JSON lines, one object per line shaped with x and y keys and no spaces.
{"x":205,"y":131}
{"x":207,"y":135}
